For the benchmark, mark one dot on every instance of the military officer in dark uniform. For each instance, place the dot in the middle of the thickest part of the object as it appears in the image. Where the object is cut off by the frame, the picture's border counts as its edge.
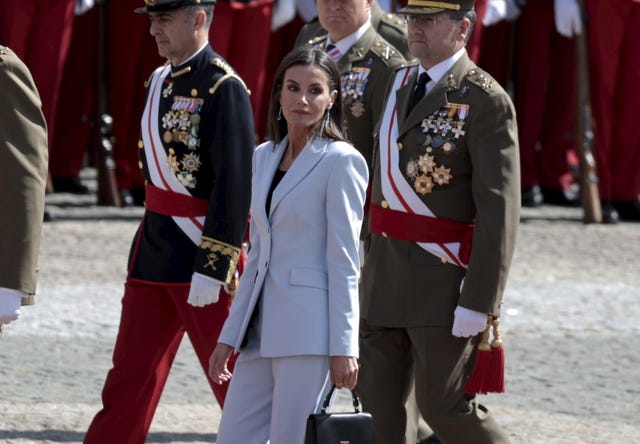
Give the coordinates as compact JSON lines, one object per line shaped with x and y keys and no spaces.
{"x":444,"y":213}
{"x":195,"y":153}
{"x":366,"y":61}
{"x":23,"y":179}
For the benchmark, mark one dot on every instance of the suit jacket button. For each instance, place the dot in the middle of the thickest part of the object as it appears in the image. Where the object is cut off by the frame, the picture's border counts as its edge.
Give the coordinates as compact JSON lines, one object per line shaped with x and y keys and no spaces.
{"x":384,"y":234}
{"x":384,"y":204}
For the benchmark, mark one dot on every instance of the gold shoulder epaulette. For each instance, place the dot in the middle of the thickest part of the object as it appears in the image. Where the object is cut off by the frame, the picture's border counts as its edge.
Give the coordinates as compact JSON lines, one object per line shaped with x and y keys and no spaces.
{"x":395,"y":20}
{"x":409,"y":64}
{"x":317,"y":40}
{"x":482,"y":79}
{"x":229,"y":72}
{"x":385,"y":51}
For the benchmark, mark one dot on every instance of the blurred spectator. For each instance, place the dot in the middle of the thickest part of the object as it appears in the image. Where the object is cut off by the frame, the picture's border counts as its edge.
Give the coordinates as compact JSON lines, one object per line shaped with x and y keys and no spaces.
{"x":613,"y":32}
{"x":39,"y":31}
{"x":545,"y":100}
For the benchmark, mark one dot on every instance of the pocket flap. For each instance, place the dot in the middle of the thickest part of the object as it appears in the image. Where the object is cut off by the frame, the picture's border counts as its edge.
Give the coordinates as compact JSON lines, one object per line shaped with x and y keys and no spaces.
{"x":308,"y":277}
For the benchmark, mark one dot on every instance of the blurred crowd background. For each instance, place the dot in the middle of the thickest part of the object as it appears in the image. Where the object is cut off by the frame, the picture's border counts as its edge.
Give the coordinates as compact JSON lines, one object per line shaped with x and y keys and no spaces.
{"x":90,"y":57}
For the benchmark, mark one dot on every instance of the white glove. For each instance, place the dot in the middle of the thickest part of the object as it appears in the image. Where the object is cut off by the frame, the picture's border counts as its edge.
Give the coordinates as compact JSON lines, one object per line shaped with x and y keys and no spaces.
{"x":495,"y":12}
{"x":567,"y":15}
{"x":468,"y":322}
{"x":514,"y":8}
{"x":204,"y":290}
{"x":10,"y":301}
{"x":83,"y":6}
{"x":282,"y":13}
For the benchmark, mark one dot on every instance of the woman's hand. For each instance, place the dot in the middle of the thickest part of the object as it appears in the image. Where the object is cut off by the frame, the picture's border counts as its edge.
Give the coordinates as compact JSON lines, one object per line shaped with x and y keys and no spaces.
{"x":218,"y":370}
{"x":343,"y":371}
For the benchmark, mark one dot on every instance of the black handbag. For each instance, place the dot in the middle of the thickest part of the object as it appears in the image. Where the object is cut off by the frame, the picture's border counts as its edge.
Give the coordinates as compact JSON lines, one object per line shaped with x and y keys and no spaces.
{"x":339,"y":427}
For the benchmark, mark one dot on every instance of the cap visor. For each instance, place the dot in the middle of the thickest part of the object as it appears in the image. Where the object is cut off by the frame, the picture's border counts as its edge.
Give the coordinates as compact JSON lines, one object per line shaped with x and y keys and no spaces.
{"x":420,"y":10}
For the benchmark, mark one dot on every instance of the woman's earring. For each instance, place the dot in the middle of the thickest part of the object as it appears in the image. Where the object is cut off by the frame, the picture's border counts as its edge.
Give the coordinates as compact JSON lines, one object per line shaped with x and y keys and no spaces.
{"x":279,"y":114}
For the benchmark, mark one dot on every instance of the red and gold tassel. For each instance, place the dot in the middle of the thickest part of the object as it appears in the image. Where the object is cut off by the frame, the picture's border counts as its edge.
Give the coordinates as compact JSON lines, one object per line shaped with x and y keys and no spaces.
{"x":477,"y":381}
{"x":488,"y":372}
{"x":495,"y":382}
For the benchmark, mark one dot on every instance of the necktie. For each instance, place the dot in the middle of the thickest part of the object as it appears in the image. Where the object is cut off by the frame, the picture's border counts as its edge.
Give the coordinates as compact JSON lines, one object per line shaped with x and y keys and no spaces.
{"x":421,"y":88}
{"x":333,"y":52}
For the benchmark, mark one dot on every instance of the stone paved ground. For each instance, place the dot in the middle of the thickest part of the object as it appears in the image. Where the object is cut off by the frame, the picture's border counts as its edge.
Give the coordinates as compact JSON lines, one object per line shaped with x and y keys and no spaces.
{"x":571,"y":327}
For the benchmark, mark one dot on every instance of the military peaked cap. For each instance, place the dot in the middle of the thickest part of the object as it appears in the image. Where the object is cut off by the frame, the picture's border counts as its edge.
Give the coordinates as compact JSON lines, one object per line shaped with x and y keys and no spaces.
{"x":170,"y":5}
{"x":434,"y":7}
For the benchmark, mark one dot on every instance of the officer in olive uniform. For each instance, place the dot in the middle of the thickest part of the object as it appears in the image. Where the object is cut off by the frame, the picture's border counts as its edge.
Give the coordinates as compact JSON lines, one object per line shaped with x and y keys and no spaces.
{"x":443,"y":219}
{"x":23,"y":179}
{"x":367,"y":62}
{"x":361,"y":128}
{"x":390,"y":26}
{"x":195,"y":154}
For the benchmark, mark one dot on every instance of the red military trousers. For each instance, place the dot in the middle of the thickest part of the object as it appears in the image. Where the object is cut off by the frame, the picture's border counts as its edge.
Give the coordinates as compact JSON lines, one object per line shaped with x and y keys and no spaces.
{"x":154,"y":319}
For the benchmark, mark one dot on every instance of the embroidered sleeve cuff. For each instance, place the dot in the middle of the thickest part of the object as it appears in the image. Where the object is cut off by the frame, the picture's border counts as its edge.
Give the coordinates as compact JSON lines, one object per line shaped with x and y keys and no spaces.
{"x":217,"y":259}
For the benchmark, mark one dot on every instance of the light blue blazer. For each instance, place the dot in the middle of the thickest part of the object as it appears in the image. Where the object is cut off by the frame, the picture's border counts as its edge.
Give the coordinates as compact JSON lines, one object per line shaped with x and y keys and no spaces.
{"x":304,"y":253}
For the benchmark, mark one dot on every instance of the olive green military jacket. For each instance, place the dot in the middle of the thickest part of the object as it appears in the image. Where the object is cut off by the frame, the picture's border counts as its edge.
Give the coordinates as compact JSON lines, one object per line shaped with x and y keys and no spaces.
{"x":23,"y":175}
{"x":365,"y":69}
{"x":454,"y":156}
{"x":390,"y":26}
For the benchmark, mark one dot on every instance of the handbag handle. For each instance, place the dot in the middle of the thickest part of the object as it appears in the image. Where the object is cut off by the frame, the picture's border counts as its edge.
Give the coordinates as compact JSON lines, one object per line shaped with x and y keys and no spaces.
{"x":354,"y":397}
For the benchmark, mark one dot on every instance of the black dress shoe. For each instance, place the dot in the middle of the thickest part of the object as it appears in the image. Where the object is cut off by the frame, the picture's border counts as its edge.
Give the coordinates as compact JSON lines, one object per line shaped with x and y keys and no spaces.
{"x":69,"y":185}
{"x":609,"y":213}
{"x":531,"y":197}
{"x":47,"y":217}
{"x":126,"y":199}
{"x":628,"y":210}
{"x":562,"y":197}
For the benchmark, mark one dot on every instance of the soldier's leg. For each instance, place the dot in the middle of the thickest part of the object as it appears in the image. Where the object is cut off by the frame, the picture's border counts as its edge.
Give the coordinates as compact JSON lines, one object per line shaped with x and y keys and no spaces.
{"x":625,"y":162}
{"x":443,"y":364}
{"x":385,"y":379}
{"x":417,"y":428}
{"x":148,"y":339}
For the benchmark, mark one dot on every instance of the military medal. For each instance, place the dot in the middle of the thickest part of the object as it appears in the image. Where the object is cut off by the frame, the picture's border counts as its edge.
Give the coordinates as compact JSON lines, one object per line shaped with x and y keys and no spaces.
{"x":172,"y":162}
{"x":181,"y":124}
{"x":354,"y":84}
{"x":441,"y":130}
{"x":188,"y":104}
{"x":357,"y":109}
{"x":168,"y":90}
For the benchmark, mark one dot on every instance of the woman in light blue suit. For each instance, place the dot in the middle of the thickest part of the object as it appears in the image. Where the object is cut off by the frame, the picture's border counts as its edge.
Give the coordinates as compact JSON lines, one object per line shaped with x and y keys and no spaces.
{"x":295,"y":316}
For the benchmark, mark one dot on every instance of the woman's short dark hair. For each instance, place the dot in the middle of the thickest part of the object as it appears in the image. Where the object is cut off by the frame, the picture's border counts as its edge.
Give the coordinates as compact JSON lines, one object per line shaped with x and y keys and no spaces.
{"x":331,"y":125}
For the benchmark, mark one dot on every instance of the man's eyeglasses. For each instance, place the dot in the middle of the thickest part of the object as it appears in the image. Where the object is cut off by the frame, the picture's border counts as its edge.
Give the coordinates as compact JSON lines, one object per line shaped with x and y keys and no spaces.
{"x":425,"y":20}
